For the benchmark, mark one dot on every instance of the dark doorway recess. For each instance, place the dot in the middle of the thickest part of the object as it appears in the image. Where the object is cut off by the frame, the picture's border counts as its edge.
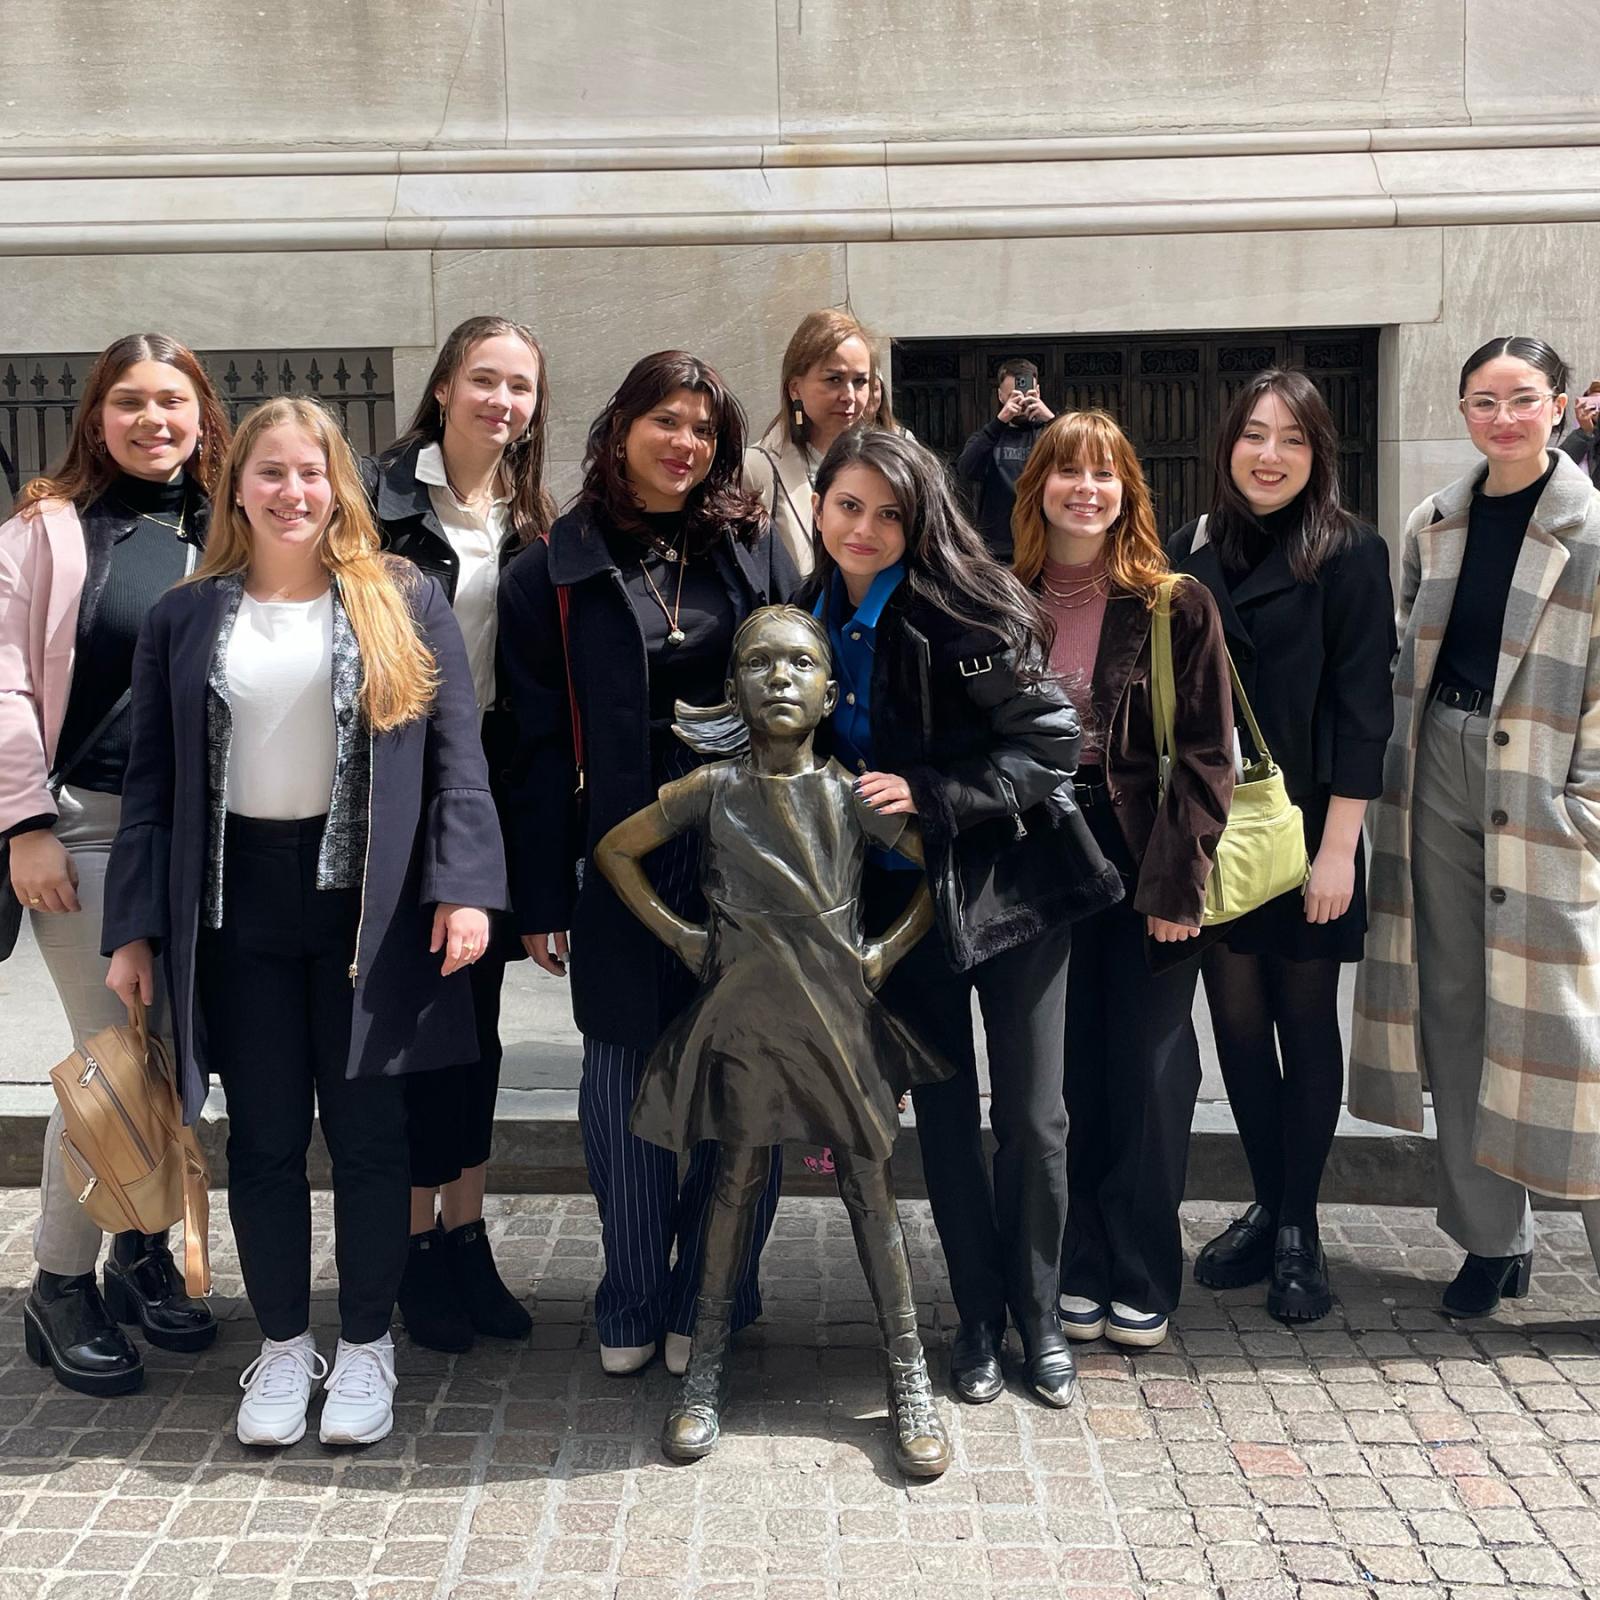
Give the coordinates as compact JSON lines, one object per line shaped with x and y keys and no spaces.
{"x":1168,"y":391}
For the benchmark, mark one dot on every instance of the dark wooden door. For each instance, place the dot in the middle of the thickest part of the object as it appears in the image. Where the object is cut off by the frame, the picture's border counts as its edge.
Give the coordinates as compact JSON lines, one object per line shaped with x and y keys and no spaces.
{"x":1168,"y":391}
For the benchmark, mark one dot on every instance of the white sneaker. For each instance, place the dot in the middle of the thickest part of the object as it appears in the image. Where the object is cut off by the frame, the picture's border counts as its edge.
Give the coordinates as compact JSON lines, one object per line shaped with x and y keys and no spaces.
{"x":618,"y":1360}
{"x":676,"y":1355}
{"x":359,"y":1403}
{"x":278,"y":1386}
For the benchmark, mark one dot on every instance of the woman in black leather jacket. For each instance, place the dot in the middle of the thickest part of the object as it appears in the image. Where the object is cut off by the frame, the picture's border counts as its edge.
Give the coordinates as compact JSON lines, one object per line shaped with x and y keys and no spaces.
{"x":944,"y":712}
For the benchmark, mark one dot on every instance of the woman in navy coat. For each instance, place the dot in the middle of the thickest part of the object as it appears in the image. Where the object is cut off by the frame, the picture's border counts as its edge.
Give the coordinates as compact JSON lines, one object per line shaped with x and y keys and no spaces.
{"x":307,"y":836}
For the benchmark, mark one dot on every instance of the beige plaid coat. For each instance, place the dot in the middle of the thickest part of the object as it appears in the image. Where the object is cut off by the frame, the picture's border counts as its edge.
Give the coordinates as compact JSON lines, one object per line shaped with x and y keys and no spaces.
{"x":1539,"y":1105}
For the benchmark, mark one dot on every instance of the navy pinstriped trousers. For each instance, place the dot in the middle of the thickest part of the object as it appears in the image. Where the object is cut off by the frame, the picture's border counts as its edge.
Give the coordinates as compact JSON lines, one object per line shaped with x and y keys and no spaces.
{"x":644,"y":1211}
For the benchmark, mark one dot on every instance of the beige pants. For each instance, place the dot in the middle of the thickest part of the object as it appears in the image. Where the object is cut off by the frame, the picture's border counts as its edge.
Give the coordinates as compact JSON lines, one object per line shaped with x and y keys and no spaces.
{"x":65,"y":1240}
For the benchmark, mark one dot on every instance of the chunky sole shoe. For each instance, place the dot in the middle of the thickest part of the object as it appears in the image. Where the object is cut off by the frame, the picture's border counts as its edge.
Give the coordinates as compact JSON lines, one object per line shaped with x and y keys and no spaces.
{"x":125,"y":1304}
{"x":1241,"y":1254}
{"x":1299,"y":1289}
{"x":1082,"y":1319}
{"x":99,"y":1384}
{"x":1139,"y":1330}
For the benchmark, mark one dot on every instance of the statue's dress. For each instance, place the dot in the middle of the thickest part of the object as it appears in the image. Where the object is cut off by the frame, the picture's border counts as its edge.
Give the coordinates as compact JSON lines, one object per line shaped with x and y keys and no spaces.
{"x":784,"y":1042}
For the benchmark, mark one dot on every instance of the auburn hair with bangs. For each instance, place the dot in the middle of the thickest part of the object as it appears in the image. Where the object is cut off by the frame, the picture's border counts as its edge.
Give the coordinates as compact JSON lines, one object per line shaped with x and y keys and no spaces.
{"x":1135,"y":558}
{"x":398,"y":672}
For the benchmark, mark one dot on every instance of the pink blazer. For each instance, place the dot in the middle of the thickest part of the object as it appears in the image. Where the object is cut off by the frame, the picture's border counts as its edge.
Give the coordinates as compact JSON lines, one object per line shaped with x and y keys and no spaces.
{"x":43,"y":563}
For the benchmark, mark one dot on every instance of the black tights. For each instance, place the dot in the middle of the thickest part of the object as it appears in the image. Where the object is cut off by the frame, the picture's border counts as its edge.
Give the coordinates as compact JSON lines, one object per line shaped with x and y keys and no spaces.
{"x":1286,"y":1114}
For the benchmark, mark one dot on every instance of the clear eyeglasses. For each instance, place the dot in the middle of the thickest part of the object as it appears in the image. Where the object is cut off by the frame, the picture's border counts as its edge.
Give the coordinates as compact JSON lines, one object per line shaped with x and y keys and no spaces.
{"x":1523,"y":406}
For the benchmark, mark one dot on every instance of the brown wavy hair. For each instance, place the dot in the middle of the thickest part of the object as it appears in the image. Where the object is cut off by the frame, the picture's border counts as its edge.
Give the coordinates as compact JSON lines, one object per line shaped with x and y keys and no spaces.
{"x":716,"y":505}
{"x":398,"y":672}
{"x":820,"y":333}
{"x":522,"y":465}
{"x":86,"y":469}
{"x":1135,"y":558}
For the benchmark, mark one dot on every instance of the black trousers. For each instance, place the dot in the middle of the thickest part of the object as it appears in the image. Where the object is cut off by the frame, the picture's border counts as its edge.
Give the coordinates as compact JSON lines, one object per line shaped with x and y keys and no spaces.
{"x":275,"y":997}
{"x":1132,"y":1075}
{"x":1001,"y":1232}
{"x":450,"y":1113}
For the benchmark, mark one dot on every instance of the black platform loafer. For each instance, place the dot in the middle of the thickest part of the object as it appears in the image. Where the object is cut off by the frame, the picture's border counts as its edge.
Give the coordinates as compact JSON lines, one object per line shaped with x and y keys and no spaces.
{"x":1299,"y":1289}
{"x":975,"y":1372}
{"x":145,"y":1290}
{"x":1240,"y":1255}
{"x":1484,"y":1281}
{"x":66,"y":1327}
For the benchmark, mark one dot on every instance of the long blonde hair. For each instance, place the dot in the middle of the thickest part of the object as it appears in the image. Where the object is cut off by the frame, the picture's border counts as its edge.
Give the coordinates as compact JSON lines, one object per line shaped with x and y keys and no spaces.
{"x":1135,"y":558}
{"x":399,"y":674}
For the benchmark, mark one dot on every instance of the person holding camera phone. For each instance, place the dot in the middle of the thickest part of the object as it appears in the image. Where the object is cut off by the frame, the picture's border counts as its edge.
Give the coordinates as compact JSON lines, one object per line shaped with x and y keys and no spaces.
{"x":993,"y":458}
{"x":1583,"y":443}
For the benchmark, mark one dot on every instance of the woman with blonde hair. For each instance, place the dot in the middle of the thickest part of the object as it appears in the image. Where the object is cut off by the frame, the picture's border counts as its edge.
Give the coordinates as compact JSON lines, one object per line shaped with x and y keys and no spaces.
{"x":1086,"y":541}
{"x":825,"y":387}
{"x":94,"y":544}
{"x":307,"y":835}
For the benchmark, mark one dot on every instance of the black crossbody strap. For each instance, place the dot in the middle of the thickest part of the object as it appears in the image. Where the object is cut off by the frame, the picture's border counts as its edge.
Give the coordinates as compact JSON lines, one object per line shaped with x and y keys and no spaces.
{"x":63,"y":769}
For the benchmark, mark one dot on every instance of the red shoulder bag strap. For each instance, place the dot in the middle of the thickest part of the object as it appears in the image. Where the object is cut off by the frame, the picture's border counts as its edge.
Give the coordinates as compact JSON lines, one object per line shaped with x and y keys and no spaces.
{"x":564,"y":606}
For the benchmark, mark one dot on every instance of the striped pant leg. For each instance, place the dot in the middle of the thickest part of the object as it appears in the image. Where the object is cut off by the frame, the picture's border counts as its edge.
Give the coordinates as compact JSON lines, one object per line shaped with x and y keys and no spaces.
{"x":694,"y":1201}
{"x":635,"y":1185}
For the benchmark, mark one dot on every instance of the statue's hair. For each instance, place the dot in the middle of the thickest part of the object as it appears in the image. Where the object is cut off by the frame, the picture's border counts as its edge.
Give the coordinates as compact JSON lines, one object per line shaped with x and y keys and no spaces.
{"x":719,"y":731}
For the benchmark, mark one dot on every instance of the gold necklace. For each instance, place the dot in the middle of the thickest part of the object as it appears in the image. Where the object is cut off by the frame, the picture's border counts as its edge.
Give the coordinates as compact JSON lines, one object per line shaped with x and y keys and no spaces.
{"x":675,"y":634}
{"x":1088,"y":588}
{"x":147,"y":516}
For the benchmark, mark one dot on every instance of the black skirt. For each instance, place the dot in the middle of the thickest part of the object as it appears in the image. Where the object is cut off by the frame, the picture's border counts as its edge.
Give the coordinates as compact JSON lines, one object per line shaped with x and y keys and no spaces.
{"x":1279,"y":928}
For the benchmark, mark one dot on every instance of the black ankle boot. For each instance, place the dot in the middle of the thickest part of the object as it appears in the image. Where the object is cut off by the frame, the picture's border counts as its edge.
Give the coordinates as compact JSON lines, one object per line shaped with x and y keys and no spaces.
{"x":975,"y":1372}
{"x":1484,"y":1281}
{"x":1299,"y":1289}
{"x":1052,"y":1374}
{"x":65,"y":1326}
{"x":430,"y":1305}
{"x":490,"y":1306}
{"x":145,"y":1289}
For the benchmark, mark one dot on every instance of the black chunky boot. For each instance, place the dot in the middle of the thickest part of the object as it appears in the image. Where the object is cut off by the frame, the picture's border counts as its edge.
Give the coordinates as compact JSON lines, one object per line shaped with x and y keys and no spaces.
{"x":65,"y":1326}
{"x":429,"y":1304}
{"x":490,"y":1306}
{"x":694,"y":1424}
{"x":145,"y":1289}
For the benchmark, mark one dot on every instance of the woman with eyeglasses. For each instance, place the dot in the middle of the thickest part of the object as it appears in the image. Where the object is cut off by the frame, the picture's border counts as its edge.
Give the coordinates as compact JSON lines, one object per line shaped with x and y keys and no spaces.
{"x":1485,"y":883}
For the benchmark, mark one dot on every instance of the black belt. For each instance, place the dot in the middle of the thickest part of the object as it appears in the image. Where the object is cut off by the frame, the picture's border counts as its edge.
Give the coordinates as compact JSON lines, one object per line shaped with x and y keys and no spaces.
{"x":1089,"y":788}
{"x":1472,"y":701}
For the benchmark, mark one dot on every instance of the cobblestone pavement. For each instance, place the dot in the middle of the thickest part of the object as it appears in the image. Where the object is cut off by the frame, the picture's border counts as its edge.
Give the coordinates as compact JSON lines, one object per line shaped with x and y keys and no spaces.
{"x":1384,"y":1452}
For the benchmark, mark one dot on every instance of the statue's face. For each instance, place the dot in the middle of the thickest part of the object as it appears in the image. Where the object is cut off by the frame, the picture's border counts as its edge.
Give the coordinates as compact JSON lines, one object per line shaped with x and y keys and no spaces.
{"x":780,"y":679}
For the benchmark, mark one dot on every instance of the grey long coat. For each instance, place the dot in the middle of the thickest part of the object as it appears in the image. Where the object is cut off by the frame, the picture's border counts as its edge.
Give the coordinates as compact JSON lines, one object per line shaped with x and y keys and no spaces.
{"x":1539,"y":1105}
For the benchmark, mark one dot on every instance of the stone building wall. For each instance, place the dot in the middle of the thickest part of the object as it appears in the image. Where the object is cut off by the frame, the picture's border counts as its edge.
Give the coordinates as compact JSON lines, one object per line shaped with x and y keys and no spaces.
{"x":366,"y":172}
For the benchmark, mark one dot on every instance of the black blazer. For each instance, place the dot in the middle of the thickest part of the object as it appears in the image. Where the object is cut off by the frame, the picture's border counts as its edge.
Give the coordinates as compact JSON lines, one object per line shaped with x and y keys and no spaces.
{"x":1314,"y":659}
{"x":989,"y":763}
{"x":432,"y":838}
{"x":614,"y":977}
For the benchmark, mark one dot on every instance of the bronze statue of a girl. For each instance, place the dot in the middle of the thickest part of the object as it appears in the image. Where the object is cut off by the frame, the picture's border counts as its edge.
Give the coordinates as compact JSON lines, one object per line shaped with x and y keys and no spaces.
{"x":784,"y":1041}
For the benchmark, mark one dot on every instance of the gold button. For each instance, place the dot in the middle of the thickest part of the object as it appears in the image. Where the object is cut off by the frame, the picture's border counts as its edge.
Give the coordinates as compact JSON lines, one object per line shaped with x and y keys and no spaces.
{"x":856,"y":634}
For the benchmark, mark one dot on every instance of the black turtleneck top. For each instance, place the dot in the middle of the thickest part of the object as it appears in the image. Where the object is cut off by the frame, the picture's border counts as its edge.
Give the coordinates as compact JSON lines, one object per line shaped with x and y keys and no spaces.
{"x":1259,"y":536}
{"x":1496,"y":524}
{"x":132,"y":535}
{"x":695,"y":668}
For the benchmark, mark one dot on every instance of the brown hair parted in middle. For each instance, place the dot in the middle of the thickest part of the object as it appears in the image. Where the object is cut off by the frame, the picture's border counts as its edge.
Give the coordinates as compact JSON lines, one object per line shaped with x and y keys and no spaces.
{"x":398,"y":671}
{"x":718,"y":503}
{"x":1134,"y":556}
{"x":85,"y":471}
{"x":820,"y":333}
{"x":1325,"y":526}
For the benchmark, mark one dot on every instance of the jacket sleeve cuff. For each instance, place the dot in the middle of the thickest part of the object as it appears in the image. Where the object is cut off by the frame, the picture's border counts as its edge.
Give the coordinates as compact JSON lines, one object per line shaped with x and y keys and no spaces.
{"x":136,"y":887}
{"x":45,"y":819}
{"x":463,"y":858}
{"x":1358,"y":768}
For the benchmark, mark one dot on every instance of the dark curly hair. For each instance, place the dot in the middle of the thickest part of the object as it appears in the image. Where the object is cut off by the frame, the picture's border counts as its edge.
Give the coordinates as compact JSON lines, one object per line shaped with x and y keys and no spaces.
{"x":716,"y":505}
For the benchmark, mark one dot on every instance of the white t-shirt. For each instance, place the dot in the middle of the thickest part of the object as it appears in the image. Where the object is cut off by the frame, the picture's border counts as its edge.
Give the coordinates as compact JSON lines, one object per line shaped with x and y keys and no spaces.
{"x":476,"y":541}
{"x":280,"y":690}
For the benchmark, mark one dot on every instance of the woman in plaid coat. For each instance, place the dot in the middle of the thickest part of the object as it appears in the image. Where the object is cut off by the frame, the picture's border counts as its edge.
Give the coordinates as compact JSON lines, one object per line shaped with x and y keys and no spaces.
{"x":1482,"y":973}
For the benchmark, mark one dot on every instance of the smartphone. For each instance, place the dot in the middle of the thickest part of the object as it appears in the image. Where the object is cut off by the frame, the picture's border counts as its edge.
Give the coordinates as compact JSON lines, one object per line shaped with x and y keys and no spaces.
{"x":1024,"y":384}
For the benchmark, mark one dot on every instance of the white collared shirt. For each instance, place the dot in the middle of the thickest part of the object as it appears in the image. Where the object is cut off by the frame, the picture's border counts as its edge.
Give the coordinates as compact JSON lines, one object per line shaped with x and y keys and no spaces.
{"x":476,"y":541}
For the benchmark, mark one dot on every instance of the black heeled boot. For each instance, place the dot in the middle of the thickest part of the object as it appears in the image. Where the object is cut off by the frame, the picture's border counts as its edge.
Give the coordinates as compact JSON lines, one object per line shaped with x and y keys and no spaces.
{"x":1051,"y":1373}
{"x":65,"y":1326}
{"x":429,"y":1304}
{"x":1484,"y":1281}
{"x":491,"y":1307}
{"x":975,"y":1371}
{"x":145,"y":1290}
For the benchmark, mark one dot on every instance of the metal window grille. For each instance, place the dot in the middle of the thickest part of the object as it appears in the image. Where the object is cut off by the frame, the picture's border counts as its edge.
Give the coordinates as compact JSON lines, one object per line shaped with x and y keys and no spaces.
{"x":39,"y":393}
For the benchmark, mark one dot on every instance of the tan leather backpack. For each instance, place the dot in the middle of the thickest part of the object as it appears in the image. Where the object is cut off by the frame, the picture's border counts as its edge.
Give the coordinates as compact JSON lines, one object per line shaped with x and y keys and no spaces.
{"x":124,"y":1145}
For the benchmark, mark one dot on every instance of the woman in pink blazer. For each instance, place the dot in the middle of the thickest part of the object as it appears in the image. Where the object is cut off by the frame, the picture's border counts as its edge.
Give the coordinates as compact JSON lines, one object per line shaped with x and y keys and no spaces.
{"x":92,"y":545}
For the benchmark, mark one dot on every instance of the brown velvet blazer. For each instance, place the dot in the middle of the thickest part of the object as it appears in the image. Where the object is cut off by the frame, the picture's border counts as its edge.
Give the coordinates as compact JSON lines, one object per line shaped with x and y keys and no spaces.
{"x":1174,"y":843}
